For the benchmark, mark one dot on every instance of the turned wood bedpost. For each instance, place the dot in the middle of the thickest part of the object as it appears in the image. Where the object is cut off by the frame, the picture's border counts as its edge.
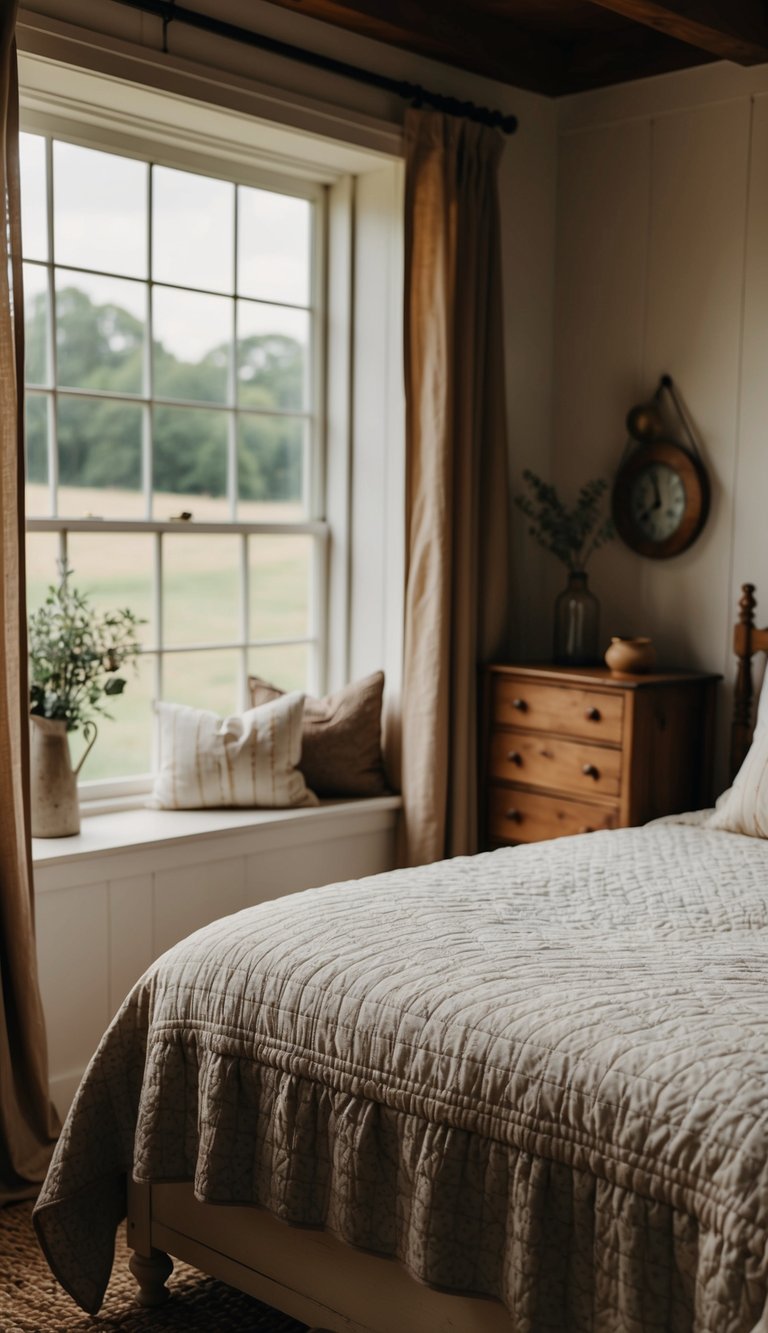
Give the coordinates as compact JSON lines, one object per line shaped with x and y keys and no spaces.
{"x":741,"y":728}
{"x":150,"y":1267}
{"x":151,"y":1272}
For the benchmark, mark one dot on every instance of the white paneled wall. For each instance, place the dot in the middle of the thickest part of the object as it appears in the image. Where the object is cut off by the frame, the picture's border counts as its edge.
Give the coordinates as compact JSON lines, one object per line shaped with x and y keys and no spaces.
{"x":132,"y":885}
{"x":662,"y":266}
{"x":748,"y":517}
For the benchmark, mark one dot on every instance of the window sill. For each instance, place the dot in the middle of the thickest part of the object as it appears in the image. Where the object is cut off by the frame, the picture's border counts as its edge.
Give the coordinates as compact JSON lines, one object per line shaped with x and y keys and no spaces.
{"x":146,"y":830}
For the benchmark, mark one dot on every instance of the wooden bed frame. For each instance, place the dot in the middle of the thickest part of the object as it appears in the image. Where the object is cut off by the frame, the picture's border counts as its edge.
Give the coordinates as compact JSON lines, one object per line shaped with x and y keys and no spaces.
{"x":309,"y":1274}
{"x":304,"y":1273}
{"x":747,"y":640}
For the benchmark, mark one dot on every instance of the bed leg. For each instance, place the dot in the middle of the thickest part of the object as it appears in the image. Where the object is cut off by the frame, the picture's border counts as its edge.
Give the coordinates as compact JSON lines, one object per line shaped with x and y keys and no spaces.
{"x":151,"y":1273}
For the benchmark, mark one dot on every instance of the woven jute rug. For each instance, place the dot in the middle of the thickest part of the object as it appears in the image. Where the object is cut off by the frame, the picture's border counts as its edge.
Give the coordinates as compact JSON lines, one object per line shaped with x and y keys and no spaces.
{"x":31,"y":1300}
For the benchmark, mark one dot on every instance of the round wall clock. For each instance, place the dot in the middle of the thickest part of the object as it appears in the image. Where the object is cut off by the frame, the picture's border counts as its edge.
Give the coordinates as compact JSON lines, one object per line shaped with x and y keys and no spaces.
{"x":660,"y":499}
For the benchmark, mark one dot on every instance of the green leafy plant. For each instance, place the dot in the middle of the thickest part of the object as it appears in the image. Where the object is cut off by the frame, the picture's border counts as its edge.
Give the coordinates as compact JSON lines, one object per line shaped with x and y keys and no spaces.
{"x":573,"y":535}
{"x":75,"y":653}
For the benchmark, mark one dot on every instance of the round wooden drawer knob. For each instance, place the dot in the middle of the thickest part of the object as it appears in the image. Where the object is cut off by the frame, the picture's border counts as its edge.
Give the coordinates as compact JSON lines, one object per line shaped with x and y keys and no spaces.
{"x":514,"y":816}
{"x":520,"y":705}
{"x":592,"y":715}
{"x":515,"y":757}
{"x":590,"y":771}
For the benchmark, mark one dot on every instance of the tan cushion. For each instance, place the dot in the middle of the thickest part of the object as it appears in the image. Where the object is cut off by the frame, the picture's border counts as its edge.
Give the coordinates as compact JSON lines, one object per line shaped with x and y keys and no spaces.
{"x":341,"y":737}
{"x":248,"y":760}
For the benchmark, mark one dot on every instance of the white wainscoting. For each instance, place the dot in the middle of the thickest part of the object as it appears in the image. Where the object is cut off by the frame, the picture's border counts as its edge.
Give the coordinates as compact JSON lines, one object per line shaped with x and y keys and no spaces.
{"x":662,"y":267}
{"x":111,"y":900}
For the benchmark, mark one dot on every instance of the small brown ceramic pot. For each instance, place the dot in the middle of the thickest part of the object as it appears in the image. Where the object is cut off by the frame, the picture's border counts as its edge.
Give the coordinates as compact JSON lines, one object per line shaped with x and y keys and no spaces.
{"x":631,"y":656}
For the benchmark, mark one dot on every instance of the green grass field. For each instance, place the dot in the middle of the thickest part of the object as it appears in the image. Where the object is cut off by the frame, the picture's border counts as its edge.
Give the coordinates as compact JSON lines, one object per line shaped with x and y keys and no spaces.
{"x":201,"y":605}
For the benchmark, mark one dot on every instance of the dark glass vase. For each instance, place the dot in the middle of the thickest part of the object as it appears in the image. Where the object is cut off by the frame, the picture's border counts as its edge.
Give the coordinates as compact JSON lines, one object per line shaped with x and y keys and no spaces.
{"x":577,"y":621}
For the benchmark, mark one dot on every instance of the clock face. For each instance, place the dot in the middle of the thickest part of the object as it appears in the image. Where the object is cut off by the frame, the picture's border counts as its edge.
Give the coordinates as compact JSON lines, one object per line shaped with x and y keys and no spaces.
{"x":657,"y":501}
{"x":660,"y":499}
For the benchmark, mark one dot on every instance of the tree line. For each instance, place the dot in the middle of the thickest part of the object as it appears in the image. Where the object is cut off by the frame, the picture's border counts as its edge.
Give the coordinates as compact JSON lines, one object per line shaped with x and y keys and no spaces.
{"x":101,"y":346}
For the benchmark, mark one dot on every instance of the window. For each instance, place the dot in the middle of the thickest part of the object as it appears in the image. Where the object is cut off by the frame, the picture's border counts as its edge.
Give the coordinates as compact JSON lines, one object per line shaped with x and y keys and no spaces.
{"x":174,"y":348}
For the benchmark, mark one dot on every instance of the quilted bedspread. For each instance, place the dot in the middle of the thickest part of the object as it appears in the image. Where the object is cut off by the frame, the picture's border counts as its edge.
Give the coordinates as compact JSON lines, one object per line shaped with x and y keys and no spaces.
{"x":539,"y":1074}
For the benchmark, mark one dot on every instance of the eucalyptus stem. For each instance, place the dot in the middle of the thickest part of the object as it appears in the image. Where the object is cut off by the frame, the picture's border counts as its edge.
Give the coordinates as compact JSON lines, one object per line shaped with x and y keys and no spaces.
{"x":75,"y":654}
{"x":566,"y":532}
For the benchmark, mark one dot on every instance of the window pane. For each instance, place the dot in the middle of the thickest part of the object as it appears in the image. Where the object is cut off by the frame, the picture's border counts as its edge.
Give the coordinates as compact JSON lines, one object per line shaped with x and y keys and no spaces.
{"x":36,"y":435}
{"x":272,"y":358}
{"x":34,"y":204}
{"x":42,"y":550}
{"x":36,"y":369}
{"x":192,"y":345}
{"x":270,"y":467}
{"x":287,"y":667}
{"x":99,"y":458}
{"x":201,"y":589}
{"x":123,"y":746}
{"x":115,"y":571}
{"x":279,"y":586}
{"x":273,"y":246}
{"x":203,"y":680}
{"x":100,"y":210}
{"x":190,"y":463}
{"x":100,"y":326}
{"x":192,"y":230}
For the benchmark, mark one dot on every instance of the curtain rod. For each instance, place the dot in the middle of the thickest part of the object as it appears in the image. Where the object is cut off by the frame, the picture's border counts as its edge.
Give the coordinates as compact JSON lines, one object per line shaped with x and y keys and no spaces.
{"x":170,"y":12}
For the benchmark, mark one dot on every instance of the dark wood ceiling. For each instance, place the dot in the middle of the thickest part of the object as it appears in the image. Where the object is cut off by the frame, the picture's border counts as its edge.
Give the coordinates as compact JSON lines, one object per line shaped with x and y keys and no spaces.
{"x":559,"y":46}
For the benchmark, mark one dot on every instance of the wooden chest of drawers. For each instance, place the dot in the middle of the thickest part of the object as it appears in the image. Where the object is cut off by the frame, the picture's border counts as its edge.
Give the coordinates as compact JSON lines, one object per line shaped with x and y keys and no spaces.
{"x":572,"y":750}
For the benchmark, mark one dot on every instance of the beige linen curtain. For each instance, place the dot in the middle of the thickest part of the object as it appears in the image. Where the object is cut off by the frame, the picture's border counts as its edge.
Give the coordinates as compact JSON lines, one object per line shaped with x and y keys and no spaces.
{"x":26,"y":1121}
{"x":456,"y":472}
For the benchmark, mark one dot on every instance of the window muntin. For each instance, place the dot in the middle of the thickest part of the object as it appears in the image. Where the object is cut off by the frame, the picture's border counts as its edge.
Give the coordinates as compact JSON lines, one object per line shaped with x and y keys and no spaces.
{"x":172,"y":348}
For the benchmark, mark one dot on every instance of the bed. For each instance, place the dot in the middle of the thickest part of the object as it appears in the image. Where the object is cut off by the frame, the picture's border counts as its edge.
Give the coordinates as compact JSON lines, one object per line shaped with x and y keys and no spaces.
{"x":524,"y":1092}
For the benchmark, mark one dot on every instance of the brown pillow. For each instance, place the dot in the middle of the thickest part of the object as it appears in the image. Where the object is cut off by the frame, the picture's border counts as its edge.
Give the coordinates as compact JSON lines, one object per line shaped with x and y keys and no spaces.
{"x":341,"y":737}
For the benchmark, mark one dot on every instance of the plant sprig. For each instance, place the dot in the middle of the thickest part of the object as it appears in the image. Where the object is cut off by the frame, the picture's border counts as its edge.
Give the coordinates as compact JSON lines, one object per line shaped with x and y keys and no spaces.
{"x":572,"y":535}
{"x":75,"y":653}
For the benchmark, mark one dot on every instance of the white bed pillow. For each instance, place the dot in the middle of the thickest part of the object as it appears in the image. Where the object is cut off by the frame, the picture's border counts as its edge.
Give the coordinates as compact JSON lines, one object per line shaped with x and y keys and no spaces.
{"x":247,"y":760}
{"x":743,"y":808}
{"x":760,"y":684}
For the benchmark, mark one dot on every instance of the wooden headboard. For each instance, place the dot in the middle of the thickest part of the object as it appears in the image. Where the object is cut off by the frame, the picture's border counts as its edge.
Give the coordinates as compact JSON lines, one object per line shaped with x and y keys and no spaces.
{"x":747,"y":640}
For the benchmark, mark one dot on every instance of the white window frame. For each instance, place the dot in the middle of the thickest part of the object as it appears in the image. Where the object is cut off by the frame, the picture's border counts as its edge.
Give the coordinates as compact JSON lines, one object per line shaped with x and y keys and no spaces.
{"x":69,"y":128}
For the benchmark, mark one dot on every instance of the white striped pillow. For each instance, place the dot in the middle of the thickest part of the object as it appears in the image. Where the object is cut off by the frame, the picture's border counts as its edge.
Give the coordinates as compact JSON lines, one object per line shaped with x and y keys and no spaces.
{"x":248,"y":760}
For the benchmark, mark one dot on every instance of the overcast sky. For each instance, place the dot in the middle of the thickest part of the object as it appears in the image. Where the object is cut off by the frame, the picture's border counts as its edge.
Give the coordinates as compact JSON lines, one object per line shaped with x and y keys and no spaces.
{"x":101,"y":222}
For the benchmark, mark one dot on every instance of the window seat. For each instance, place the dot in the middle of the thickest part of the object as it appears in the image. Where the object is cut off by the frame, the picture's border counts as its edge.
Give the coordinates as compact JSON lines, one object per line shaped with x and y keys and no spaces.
{"x":132,"y":883}
{"x":141,"y":829}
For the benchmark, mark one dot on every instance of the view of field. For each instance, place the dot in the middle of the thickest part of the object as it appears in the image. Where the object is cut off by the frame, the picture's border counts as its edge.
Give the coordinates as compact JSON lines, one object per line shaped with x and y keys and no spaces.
{"x":201,"y":601}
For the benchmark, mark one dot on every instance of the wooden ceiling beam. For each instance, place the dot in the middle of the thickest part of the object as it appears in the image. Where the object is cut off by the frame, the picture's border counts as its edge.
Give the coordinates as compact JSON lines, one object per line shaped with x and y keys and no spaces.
{"x":489,"y":45}
{"x":622,"y":56}
{"x":728,"y":29}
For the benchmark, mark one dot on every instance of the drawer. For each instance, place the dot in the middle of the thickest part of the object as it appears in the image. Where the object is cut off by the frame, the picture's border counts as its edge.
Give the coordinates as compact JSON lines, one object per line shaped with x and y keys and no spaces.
{"x":527,"y":816}
{"x":594,"y":714}
{"x":559,"y":765}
